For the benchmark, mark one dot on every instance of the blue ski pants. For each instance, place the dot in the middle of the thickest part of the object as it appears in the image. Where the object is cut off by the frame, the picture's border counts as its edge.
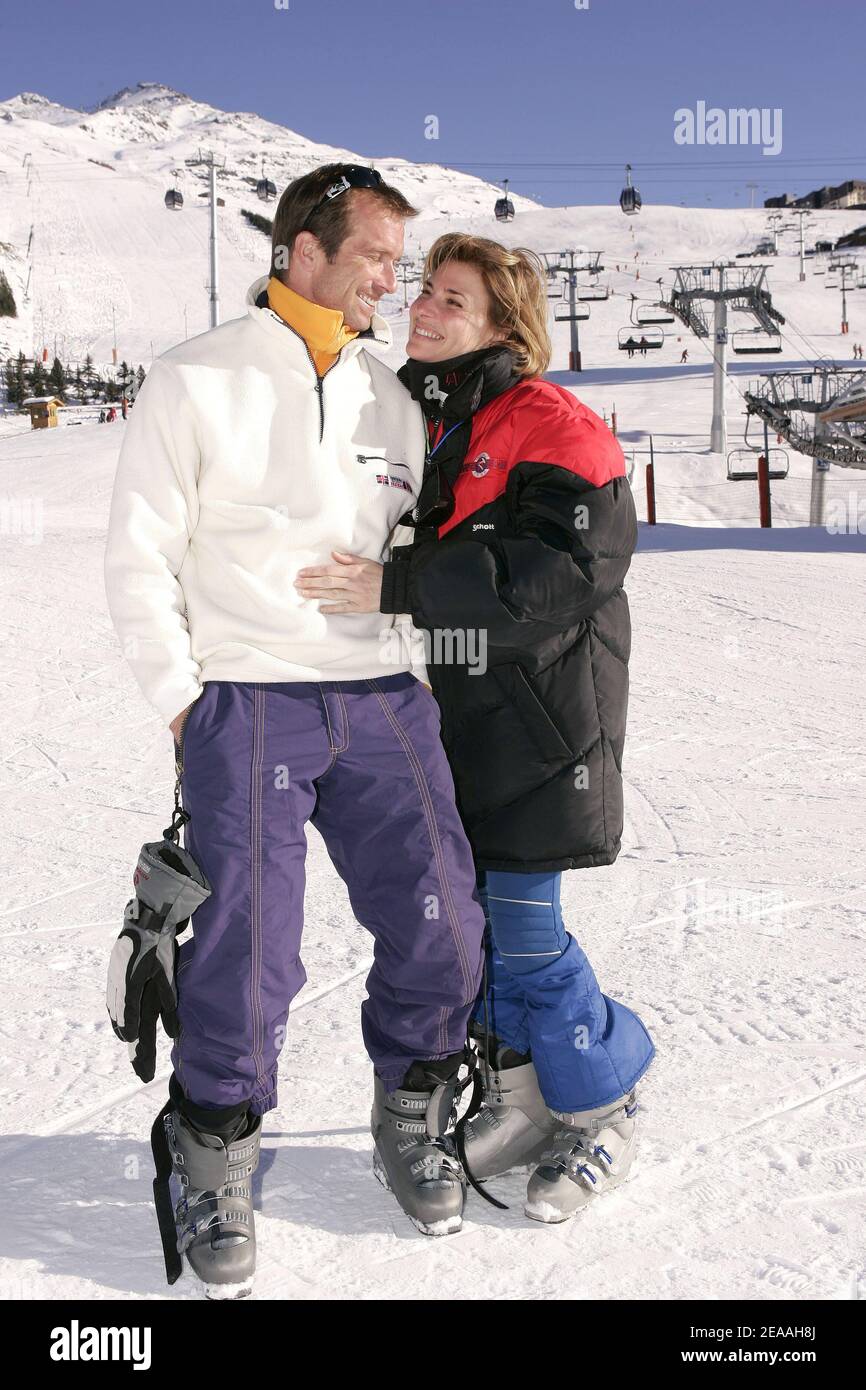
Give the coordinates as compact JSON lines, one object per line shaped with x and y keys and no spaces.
{"x":543,"y":997}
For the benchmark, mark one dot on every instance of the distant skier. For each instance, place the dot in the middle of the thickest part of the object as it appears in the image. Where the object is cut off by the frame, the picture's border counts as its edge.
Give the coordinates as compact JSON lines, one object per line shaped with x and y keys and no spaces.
{"x":111,"y":416}
{"x":631,"y":345}
{"x":685,"y":355}
{"x":643,"y":345}
{"x":102,"y":417}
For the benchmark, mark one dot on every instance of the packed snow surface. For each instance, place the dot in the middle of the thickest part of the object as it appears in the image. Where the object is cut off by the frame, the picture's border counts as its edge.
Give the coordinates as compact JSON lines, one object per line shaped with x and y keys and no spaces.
{"x":733,"y":921}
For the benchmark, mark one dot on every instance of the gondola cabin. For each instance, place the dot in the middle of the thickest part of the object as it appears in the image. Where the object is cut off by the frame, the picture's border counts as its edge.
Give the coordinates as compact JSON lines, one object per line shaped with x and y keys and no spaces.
{"x":629,"y":198}
{"x":503,"y":208}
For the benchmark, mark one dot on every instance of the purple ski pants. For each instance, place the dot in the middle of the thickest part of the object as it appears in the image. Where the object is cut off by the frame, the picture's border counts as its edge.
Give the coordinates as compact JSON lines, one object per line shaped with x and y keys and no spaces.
{"x":363,"y":762}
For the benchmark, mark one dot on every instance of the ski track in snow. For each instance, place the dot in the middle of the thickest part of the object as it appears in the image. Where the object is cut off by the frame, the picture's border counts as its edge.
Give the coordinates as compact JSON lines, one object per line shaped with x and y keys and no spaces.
{"x":733,"y":920}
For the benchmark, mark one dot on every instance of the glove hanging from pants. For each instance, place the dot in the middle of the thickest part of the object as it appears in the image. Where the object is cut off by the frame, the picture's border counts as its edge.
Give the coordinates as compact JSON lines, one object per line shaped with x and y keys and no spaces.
{"x":169,"y":887}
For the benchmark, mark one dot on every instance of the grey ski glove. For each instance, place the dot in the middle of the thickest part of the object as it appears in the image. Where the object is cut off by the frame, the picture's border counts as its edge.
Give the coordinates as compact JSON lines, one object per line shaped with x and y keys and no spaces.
{"x":169,"y":886}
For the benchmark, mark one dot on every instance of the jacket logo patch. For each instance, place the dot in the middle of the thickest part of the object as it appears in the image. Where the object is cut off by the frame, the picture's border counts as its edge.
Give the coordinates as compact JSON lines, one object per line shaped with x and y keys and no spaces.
{"x":483,"y":464}
{"x":388,"y":481}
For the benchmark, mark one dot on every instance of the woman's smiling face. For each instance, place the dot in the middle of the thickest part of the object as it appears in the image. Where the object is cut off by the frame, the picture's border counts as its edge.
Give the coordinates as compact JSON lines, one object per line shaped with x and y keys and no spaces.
{"x":451,"y":315}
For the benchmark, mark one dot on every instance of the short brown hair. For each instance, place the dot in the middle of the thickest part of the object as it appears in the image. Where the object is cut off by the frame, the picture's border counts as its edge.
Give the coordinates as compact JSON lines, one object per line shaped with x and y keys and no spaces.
{"x":516,"y":287}
{"x":331,"y":223}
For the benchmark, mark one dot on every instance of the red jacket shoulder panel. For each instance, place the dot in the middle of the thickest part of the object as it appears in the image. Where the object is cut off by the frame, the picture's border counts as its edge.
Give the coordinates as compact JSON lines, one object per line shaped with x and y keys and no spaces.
{"x":541,"y":422}
{"x":538,"y":422}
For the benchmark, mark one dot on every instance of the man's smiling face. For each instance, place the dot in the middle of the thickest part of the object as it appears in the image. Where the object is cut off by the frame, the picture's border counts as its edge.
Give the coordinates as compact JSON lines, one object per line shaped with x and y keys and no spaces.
{"x":363,"y":269}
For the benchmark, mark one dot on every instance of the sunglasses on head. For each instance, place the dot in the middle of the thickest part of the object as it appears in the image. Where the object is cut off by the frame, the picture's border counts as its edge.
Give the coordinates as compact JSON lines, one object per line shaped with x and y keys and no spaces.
{"x":353,"y":176}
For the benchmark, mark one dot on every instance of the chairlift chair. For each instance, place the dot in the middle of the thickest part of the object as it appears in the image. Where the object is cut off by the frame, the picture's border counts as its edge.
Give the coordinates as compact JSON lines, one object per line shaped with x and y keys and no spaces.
{"x":755,"y":342}
{"x":503,"y":208}
{"x":593,"y":293}
{"x":639,"y":339}
{"x":562,"y":312}
{"x":743,"y":464}
{"x":654,"y":313}
{"x":649,"y":312}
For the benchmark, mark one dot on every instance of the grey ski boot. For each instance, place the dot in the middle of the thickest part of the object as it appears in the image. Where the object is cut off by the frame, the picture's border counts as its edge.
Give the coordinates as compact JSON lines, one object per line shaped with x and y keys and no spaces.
{"x":591,"y":1154}
{"x":414,"y":1156}
{"x":513,"y":1125}
{"x":214,"y":1217}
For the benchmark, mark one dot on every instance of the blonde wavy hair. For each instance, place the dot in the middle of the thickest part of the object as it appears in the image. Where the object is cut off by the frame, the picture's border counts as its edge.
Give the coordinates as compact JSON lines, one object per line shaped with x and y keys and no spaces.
{"x":516,"y":287}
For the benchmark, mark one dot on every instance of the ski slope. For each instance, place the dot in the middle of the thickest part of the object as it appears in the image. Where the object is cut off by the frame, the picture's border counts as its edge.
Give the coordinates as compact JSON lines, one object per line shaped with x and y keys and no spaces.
{"x":733,"y":922}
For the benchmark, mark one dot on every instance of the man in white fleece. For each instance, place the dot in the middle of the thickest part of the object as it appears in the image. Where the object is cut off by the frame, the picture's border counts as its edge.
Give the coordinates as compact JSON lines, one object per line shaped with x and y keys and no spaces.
{"x":273,"y":442}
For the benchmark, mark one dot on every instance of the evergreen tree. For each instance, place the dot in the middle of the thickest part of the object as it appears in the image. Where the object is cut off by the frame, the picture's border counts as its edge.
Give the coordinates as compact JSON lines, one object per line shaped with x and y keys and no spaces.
{"x":57,"y":379}
{"x":20,"y":378}
{"x":38,"y":381}
{"x":9,"y":379}
{"x":88,"y":374}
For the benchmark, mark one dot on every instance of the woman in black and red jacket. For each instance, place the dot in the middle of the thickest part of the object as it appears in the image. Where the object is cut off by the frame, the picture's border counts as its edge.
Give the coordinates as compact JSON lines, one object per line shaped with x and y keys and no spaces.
{"x":524,"y":531}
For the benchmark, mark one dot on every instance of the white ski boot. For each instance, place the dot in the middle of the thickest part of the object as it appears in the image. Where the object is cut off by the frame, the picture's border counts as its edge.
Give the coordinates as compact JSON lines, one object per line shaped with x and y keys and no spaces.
{"x":513,"y":1126}
{"x":591,"y":1153}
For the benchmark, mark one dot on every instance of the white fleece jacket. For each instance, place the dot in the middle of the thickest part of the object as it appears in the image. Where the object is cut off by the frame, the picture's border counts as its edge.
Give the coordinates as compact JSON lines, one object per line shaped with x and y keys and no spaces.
{"x":236,"y":471}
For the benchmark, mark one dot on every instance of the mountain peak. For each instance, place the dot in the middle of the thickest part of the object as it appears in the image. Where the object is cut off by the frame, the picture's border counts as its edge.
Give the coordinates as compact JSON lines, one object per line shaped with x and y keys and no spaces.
{"x":32,"y":104}
{"x":140,"y":95}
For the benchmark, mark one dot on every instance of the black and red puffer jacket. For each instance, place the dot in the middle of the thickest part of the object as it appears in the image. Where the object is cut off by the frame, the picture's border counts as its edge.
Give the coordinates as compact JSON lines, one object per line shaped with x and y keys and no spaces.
{"x":525,"y":529}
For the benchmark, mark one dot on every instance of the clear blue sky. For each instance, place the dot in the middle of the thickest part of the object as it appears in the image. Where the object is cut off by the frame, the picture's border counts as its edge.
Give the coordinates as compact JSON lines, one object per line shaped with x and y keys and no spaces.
{"x":531,"y":89}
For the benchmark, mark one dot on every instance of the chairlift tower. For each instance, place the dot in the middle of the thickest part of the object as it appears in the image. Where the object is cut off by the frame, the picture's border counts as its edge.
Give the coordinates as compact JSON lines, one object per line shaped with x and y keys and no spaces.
{"x":775,"y":221}
{"x":563,"y":263}
{"x":723,"y":285}
{"x":844,"y":268}
{"x":802,"y":213}
{"x":211,"y":163}
{"x":408,"y":272}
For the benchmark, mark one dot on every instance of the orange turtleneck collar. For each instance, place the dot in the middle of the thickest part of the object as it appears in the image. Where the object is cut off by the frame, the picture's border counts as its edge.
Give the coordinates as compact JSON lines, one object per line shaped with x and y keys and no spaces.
{"x":323,"y":330}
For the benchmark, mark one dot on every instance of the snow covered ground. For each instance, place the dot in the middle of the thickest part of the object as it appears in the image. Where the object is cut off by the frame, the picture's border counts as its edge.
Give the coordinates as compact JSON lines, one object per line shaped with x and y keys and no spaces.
{"x":733,"y":921}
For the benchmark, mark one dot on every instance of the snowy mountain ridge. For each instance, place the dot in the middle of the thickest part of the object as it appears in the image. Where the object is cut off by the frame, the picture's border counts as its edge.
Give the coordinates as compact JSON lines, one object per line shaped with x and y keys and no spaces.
{"x":94,"y":259}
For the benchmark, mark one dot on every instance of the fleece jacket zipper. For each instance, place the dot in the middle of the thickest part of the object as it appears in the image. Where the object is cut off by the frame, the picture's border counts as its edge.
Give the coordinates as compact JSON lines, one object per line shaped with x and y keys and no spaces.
{"x":319,"y":387}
